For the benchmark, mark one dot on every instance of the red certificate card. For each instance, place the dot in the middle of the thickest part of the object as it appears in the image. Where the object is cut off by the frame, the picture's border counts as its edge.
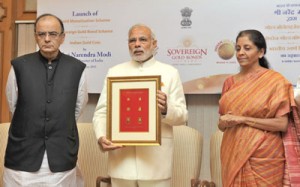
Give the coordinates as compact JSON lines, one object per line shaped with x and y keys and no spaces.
{"x":134,"y":110}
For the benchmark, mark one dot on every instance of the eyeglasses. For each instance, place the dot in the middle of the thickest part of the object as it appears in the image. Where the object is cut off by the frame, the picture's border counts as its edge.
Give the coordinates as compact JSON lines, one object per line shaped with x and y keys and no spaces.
{"x":52,"y":34}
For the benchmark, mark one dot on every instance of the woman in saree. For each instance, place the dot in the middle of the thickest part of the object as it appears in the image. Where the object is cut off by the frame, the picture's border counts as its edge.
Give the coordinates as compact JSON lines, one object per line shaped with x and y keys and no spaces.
{"x":260,"y":121}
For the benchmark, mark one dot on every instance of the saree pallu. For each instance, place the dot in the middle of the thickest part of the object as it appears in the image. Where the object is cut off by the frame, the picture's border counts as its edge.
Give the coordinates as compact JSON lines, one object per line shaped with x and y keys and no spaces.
{"x":291,"y":141}
{"x":250,"y":156}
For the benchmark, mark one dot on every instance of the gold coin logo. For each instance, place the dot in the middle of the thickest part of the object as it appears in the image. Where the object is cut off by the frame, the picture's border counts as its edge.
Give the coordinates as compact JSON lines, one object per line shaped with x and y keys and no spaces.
{"x":226,"y":51}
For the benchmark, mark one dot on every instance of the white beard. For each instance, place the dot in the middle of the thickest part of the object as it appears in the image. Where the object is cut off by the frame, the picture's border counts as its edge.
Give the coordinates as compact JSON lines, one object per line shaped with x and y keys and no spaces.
{"x":141,"y":58}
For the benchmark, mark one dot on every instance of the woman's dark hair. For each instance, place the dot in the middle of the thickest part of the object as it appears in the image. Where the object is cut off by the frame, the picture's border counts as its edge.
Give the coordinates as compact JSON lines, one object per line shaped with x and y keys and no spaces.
{"x":51,"y":15}
{"x":259,"y":41}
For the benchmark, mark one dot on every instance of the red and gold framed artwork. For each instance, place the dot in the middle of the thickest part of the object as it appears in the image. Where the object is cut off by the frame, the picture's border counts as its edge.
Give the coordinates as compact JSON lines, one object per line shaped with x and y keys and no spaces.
{"x":133,"y":116}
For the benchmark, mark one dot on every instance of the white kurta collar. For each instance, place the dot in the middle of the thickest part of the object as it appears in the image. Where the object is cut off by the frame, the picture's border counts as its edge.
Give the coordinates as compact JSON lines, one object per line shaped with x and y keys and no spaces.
{"x":146,"y":64}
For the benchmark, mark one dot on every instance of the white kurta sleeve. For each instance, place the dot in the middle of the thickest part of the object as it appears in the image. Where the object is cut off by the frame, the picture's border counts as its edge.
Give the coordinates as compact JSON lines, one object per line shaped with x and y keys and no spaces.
{"x":12,"y":90}
{"x":99,"y":119}
{"x":177,"y":113}
{"x":82,"y":97}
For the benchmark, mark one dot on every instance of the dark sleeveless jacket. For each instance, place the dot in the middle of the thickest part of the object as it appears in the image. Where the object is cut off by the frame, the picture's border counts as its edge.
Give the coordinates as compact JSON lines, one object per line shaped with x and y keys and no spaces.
{"x":44,"y":118}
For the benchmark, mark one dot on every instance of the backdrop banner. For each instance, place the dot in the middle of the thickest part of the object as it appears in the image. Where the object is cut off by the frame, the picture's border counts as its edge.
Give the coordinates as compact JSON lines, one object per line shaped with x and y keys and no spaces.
{"x":197,"y":37}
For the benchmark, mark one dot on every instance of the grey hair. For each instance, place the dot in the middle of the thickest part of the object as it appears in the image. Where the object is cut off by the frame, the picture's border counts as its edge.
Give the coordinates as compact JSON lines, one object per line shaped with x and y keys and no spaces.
{"x":50,"y":15}
{"x":142,"y":25}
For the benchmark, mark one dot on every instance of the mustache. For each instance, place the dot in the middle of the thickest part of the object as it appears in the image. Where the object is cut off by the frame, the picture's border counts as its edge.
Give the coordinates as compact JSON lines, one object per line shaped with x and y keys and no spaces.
{"x":138,"y":50}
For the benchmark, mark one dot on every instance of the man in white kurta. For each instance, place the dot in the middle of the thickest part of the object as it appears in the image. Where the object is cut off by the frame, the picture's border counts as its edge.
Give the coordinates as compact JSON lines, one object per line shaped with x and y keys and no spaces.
{"x":144,"y":165}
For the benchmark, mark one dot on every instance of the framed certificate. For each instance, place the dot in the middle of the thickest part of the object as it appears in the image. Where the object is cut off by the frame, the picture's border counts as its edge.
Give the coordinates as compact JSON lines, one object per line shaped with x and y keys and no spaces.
{"x":133,"y":116}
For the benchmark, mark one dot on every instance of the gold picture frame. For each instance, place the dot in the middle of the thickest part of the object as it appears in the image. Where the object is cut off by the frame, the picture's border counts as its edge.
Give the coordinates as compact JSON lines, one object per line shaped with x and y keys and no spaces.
{"x":133,"y":116}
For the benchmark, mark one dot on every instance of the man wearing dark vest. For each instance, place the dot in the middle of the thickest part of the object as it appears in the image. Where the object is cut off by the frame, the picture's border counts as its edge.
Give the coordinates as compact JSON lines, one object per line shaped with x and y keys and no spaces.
{"x":46,"y":92}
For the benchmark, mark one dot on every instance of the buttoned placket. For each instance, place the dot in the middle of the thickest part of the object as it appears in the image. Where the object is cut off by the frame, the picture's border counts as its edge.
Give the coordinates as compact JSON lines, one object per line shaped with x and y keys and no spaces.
{"x":50,"y":70}
{"x":141,"y":68}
